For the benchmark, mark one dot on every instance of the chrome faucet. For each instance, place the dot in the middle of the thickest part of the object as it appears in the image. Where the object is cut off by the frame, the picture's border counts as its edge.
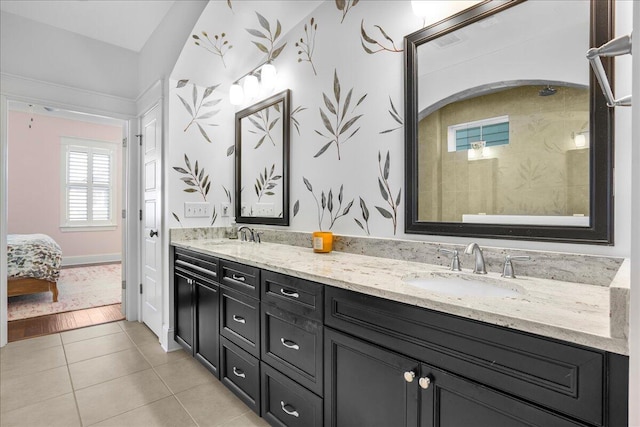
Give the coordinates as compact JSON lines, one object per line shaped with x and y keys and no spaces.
{"x":243,"y":234}
{"x":479,"y":267}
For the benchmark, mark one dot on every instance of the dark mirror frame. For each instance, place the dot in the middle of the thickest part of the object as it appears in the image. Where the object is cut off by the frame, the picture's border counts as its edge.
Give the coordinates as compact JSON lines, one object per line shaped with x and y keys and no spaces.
{"x":601,"y":133}
{"x":285,"y":98}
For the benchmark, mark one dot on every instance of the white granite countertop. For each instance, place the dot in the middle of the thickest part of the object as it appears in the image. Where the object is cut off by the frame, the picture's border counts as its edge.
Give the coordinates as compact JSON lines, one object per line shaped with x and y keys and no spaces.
{"x":572,"y":312}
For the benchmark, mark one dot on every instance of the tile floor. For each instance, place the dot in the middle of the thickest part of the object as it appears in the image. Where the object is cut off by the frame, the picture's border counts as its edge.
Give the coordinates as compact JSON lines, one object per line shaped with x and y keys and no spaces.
{"x":114,"y":374}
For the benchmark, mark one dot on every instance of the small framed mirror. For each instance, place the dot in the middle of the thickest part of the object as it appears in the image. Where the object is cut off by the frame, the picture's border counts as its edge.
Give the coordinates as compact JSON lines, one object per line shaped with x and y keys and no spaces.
{"x":507,"y":133}
{"x":262,"y":161}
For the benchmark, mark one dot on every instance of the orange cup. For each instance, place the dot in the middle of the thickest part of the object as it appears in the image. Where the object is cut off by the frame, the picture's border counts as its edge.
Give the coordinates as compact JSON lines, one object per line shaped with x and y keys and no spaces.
{"x":322,"y":241}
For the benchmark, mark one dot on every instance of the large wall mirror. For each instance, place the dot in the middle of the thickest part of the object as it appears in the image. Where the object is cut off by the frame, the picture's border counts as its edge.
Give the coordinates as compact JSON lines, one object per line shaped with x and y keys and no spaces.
{"x":262,"y":162}
{"x":507,"y":133}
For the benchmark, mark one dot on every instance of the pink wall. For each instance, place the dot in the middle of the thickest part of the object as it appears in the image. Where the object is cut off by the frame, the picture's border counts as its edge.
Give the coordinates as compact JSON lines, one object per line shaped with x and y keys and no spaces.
{"x":34,"y":191}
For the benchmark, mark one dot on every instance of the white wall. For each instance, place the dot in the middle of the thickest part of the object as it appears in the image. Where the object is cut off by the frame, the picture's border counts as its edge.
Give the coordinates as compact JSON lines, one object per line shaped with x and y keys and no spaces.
{"x":42,"y":52}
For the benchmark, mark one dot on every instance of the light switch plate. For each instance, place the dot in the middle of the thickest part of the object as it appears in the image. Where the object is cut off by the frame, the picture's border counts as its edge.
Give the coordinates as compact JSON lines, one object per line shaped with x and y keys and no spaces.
{"x":225,"y":208}
{"x":196,"y":210}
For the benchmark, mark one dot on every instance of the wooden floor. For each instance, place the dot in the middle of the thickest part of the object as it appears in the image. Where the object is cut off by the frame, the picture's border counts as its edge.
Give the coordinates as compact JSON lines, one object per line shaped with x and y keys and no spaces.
{"x":53,"y":323}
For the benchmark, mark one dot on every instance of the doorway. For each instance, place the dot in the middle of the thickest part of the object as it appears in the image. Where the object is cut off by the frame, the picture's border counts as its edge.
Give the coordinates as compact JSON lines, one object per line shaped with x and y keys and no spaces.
{"x":66,"y":181}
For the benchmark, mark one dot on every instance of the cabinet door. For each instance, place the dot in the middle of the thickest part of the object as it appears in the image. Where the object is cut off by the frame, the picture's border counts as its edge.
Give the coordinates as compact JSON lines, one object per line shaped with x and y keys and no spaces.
{"x":365,"y":385}
{"x":451,"y":401}
{"x":184,"y":310}
{"x":207,"y":348}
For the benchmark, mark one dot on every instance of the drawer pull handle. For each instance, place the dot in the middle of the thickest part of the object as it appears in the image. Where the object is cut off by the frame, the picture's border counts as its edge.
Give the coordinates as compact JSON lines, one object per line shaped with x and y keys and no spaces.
{"x":238,"y":278}
{"x":293,"y":413}
{"x":239,"y":319}
{"x":289,"y":344}
{"x":238,"y":372}
{"x":287,"y":293}
{"x":424,"y":382}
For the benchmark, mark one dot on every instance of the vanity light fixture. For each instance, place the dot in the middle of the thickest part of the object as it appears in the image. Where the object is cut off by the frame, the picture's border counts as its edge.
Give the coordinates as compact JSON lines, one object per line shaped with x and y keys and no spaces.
{"x":618,"y":46}
{"x":251,"y":87}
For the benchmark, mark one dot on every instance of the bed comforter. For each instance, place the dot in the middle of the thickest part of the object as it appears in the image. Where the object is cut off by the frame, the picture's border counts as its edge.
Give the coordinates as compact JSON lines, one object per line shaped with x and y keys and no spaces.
{"x":35,"y":256}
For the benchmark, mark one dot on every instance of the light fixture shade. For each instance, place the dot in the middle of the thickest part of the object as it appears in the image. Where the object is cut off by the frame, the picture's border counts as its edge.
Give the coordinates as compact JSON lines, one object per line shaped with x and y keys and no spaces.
{"x":251,"y":87}
{"x":580,"y":140}
{"x":236,"y":95}
{"x":268,"y":77}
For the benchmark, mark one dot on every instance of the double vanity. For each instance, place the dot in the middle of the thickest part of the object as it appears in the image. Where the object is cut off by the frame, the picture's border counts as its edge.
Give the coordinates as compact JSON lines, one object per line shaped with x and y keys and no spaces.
{"x":344,"y":339}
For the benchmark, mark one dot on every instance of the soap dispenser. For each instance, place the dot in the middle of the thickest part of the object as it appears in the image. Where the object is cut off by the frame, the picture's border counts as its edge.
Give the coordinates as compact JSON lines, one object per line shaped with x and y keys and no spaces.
{"x":233,"y":232}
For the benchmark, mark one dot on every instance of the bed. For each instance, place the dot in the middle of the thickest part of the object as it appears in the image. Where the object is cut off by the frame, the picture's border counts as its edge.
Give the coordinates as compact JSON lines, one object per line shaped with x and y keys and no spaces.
{"x":33,"y":264}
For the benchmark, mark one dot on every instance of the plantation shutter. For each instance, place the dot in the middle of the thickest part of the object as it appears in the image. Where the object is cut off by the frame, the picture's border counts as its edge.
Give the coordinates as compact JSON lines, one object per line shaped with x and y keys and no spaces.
{"x":89,"y":186}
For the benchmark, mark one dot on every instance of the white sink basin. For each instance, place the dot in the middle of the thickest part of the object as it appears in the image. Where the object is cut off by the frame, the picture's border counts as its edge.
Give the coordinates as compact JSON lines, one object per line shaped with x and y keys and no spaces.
{"x":461,"y":284}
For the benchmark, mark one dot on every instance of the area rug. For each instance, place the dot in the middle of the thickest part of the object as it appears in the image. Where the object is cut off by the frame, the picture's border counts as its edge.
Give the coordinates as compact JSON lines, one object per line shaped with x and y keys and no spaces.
{"x":78,"y":288}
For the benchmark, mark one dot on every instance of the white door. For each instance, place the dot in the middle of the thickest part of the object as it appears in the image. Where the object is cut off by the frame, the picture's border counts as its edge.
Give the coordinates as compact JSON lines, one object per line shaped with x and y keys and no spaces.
{"x":151,"y":239}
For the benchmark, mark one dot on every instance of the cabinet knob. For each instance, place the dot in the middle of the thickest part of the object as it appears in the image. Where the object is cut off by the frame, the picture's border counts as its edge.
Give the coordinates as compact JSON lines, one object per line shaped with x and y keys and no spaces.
{"x":424,"y":382}
{"x":409,"y":376}
{"x":291,"y":412}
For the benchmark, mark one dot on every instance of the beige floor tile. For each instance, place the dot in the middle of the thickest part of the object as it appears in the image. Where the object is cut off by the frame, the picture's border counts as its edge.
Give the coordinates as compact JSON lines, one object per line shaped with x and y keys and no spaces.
{"x":183,"y":374}
{"x":57,"y":412}
{"x":164,"y":413}
{"x":155,"y":354}
{"x":25,"y":390}
{"x":17,"y":362}
{"x":104,"y":368}
{"x":115,"y":397}
{"x":32,"y":344}
{"x":250,"y":419}
{"x":90,"y":332}
{"x":211,"y":404}
{"x":141,"y":335}
{"x":95,"y":347}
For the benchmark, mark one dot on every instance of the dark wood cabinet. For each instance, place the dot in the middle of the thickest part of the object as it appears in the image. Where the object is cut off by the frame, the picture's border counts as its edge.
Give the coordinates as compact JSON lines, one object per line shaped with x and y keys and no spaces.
{"x":365,"y":384}
{"x":184,"y":310}
{"x":207,"y":345}
{"x":197,"y":297}
{"x":304,"y":354}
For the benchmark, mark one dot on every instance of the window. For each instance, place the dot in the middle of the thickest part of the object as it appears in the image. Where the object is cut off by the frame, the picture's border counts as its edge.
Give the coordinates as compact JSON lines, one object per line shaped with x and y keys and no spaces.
{"x":478,"y":134}
{"x":88,"y":180}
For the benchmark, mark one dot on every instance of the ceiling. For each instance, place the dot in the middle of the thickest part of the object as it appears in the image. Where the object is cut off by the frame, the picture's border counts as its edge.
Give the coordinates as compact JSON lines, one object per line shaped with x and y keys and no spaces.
{"x":123,"y":23}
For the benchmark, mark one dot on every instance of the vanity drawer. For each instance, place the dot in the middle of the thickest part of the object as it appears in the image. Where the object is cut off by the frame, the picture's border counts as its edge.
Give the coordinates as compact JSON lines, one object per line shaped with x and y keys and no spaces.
{"x":293,"y":294}
{"x":240,"y":320}
{"x":240,"y":372}
{"x":240,"y":277}
{"x":558,"y":375}
{"x":286,"y":403}
{"x":197,"y":264}
{"x":293,"y":344}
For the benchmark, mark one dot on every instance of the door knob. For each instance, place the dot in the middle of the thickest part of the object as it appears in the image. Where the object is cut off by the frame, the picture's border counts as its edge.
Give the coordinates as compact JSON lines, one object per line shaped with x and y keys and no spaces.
{"x":153,"y":233}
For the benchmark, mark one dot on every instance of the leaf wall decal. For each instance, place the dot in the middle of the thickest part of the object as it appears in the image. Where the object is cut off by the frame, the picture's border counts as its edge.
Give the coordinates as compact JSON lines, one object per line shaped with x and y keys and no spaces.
{"x":339,"y":113}
{"x":385,"y":192}
{"x":272,"y":51}
{"x":371,"y":45}
{"x":307,"y":45}
{"x":195,"y":179}
{"x":195,"y":110}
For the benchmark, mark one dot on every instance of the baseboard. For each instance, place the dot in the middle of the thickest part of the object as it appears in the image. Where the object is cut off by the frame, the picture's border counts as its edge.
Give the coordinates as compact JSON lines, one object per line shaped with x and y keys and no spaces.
{"x":90,"y":259}
{"x":168,"y":344}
